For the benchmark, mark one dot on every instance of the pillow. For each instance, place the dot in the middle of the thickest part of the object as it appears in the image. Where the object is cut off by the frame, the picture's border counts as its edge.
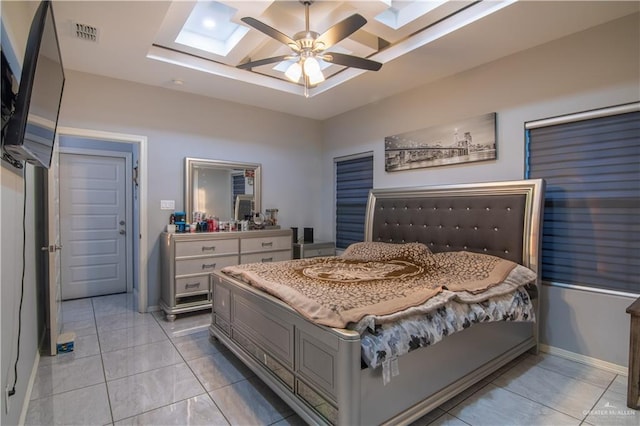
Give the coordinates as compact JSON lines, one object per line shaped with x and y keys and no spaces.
{"x":417,"y":253}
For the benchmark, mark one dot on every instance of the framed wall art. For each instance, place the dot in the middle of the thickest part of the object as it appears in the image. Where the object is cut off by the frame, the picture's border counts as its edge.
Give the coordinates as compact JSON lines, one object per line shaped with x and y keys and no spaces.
{"x":464,"y":141}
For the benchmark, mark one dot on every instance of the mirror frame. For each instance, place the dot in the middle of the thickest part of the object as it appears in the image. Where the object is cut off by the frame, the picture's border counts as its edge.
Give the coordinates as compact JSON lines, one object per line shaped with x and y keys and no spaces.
{"x":189,"y":162}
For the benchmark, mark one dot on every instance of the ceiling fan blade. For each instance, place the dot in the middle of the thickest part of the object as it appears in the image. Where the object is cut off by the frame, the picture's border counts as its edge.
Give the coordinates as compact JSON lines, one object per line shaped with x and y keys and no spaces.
{"x":339,"y":31}
{"x":271,"y":32}
{"x":351,"y":61}
{"x":253,"y":64}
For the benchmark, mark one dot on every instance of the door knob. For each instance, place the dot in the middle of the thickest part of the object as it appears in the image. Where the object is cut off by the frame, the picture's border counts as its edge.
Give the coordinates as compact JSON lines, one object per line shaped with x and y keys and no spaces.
{"x":122,"y":232}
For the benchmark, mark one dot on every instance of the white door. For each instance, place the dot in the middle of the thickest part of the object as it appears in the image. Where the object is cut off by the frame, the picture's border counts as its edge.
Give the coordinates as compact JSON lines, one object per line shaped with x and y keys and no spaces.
{"x":93,"y":225}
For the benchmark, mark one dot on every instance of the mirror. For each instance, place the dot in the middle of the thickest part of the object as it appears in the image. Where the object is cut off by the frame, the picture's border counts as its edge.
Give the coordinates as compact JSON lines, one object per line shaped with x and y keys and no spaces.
{"x":220,"y":188}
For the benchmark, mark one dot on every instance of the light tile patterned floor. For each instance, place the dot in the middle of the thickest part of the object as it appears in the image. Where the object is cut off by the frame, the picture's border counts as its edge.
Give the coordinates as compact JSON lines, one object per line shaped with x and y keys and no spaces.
{"x":138,"y":369}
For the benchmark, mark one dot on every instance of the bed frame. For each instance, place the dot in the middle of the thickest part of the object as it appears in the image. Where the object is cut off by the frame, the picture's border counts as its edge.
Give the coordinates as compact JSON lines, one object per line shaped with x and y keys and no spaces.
{"x":317,"y":370}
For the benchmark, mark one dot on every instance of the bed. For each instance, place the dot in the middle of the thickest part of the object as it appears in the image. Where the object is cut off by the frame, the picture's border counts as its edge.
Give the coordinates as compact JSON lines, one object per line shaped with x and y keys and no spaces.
{"x":320,"y":370}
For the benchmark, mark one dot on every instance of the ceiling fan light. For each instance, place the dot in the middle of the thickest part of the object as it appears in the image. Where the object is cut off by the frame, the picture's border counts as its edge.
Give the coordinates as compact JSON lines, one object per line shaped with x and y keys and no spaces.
{"x":294,"y":72}
{"x":316,"y":78}
{"x":311,"y":66}
{"x":312,"y":70}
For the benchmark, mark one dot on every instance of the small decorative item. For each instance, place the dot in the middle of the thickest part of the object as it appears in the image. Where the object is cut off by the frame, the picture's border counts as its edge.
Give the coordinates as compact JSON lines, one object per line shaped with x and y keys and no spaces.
{"x":271,"y":217}
{"x":308,"y":235}
{"x":249,"y":175}
{"x":258,"y":220}
{"x":465,"y":141}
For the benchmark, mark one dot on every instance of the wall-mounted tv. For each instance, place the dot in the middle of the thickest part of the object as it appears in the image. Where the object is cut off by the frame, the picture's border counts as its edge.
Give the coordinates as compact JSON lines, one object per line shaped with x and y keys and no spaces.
{"x":31,"y":129}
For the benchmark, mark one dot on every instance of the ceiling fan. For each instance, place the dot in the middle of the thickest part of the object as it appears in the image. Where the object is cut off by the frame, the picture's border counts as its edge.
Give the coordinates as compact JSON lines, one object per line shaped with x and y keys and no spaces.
{"x":308,"y":47}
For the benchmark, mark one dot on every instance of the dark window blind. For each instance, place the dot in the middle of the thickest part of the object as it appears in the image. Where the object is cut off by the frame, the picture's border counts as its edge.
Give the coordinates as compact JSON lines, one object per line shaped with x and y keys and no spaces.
{"x":354,"y":179}
{"x":238,"y":188}
{"x":591,"y":230}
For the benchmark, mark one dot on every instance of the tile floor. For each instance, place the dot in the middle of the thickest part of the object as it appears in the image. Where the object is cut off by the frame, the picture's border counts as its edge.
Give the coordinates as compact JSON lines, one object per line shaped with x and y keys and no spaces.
{"x":138,"y":369}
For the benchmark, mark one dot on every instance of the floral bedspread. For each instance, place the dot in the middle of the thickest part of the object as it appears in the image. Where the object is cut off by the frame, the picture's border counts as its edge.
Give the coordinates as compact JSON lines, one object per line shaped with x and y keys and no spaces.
{"x":392,"y":339}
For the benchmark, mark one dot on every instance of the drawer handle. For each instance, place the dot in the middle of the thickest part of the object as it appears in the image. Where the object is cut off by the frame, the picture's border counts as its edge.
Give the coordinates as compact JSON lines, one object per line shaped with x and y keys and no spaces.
{"x":267,"y":244}
{"x":210,"y":248}
{"x":209,"y":266}
{"x":267,"y":259}
{"x":191,"y":285}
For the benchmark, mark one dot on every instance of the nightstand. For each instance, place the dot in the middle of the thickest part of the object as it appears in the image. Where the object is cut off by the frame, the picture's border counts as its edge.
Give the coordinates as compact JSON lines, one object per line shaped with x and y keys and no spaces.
{"x":306,"y":250}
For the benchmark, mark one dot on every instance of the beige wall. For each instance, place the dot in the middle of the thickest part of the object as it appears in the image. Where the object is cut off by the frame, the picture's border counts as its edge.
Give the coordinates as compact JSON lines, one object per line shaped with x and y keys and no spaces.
{"x":180,"y":125}
{"x":593,"y":69}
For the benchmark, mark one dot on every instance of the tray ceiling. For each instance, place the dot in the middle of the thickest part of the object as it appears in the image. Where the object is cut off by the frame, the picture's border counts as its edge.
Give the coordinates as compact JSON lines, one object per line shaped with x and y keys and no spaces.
{"x":171,"y":45}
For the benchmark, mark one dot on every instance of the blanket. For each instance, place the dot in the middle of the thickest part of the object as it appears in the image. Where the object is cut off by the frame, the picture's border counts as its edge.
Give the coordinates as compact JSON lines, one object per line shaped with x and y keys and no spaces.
{"x":393,"y":339}
{"x":335,"y":291}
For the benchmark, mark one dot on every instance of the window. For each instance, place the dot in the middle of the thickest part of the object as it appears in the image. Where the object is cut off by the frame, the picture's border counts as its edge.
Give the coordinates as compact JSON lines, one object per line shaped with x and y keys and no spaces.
{"x":354,"y":179}
{"x":591,"y":165}
{"x":238,"y":187}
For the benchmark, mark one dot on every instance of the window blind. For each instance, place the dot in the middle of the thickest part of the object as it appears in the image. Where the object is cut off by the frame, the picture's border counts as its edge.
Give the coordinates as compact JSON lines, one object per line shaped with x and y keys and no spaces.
{"x":591,"y":229}
{"x":238,"y":188}
{"x":354,"y":179}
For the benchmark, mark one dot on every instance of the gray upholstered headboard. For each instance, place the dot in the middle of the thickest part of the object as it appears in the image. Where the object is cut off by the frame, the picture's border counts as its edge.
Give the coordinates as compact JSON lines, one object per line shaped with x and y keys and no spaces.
{"x":501,"y":218}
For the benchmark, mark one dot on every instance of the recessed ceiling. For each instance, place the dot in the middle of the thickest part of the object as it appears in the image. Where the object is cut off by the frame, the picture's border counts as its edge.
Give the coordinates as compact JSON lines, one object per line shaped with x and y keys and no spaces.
{"x":393,"y":29}
{"x":201,"y":43}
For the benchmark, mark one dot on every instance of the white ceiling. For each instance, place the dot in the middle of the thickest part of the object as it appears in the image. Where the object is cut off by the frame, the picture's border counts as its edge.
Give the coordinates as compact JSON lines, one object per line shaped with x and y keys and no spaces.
{"x":132,"y":33}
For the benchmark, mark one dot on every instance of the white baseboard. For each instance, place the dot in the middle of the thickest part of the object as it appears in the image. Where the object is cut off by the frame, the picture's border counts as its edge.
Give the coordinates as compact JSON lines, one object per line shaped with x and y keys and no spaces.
{"x":153,"y":308}
{"x":593,"y":362}
{"x":27,"y":395}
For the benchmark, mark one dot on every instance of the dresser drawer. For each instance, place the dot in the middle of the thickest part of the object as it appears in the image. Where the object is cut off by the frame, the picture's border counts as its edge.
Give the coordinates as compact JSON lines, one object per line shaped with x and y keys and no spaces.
{"x":204,"y":264}
{"x":248,"y":245}
{"x":316,"y":252}
{"x":302,"y":251}
{"x":206,"y":247}
{"x":195,"y":284}
{"x":275,"y":256}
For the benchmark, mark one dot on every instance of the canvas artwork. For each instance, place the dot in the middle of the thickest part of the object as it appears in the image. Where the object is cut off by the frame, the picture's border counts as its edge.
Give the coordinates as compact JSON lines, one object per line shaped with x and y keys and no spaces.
{"x":465,"y":141}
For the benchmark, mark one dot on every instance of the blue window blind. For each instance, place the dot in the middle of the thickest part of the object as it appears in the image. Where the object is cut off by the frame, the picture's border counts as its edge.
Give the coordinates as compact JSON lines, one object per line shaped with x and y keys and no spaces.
{"x":354,"y":179}
{"x":238,"y":188}
{"x":591,"y":230}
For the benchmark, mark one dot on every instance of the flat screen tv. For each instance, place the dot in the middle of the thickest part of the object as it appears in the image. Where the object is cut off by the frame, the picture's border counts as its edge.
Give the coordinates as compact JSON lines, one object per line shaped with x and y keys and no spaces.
{"x":31,"y":129}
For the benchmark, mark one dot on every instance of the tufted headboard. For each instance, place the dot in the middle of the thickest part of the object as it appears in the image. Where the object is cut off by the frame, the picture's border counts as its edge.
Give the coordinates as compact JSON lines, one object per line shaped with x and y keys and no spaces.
{"x":500,"y":218}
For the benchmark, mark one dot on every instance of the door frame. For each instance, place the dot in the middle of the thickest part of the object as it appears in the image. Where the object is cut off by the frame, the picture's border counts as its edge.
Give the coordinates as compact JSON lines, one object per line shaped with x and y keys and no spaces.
{"x":128,"y":172}
{"x":54,"y":278}
{"x":139,"y":142}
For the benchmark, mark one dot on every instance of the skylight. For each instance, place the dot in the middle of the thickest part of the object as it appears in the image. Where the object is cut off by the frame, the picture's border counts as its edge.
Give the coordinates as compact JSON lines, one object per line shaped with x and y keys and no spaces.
{"x":402,"y":12}
{"x":209,"y":28}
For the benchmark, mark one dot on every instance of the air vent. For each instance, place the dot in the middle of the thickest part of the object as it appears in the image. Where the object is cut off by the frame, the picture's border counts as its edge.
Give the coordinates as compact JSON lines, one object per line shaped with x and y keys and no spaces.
{"x":85,"y":32}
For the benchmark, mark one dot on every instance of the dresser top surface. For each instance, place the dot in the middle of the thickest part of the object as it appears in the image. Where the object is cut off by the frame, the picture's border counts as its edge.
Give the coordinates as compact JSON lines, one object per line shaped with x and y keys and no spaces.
{"x":258,"y":233}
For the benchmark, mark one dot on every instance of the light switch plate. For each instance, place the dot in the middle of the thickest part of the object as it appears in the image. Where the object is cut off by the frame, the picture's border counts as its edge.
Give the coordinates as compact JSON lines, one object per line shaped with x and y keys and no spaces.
{"x":167,"y":204}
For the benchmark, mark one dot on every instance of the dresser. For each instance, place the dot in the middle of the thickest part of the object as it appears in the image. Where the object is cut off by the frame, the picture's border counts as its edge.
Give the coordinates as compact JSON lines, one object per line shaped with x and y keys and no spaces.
{"x":189,"y":259}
